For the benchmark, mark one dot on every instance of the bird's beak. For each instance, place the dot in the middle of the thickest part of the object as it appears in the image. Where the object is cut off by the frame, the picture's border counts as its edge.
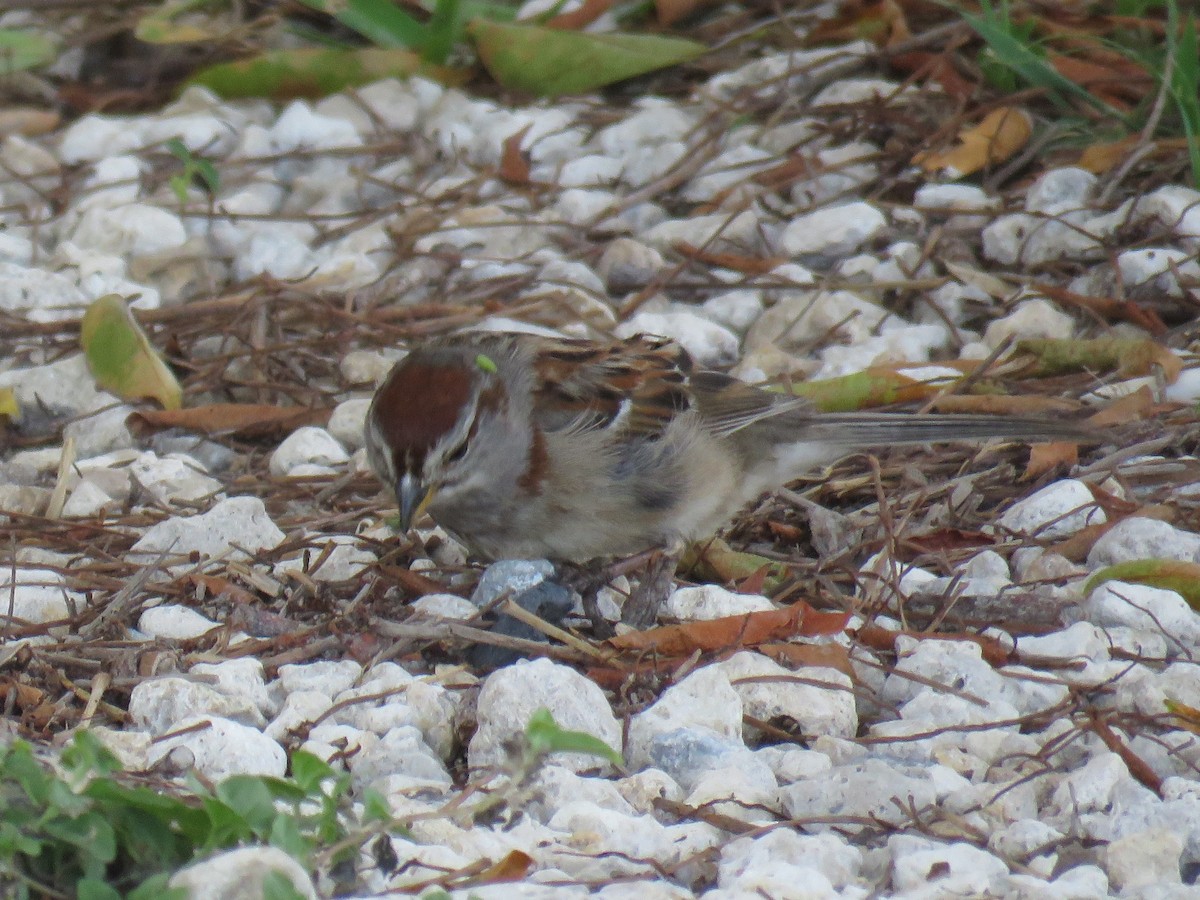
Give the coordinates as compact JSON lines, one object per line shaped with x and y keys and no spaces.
{"x":414,"y":498}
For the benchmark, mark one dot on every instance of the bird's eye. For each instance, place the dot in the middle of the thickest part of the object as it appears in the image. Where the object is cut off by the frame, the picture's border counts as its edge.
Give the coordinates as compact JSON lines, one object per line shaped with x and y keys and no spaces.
{"x":457,"y":453}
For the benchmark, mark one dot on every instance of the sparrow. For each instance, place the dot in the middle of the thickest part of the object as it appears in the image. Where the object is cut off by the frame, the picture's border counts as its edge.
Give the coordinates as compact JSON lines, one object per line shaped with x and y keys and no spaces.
{"x":524,"y":446}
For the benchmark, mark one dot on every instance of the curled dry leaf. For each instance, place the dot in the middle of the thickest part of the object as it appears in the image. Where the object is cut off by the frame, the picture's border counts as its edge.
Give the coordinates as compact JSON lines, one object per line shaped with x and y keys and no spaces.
{"x":998,"y":137}
{"x":733,"y":632}
{"x":121,"y":357}
{"x":244,"y":419}
{"x":1047,"y":456}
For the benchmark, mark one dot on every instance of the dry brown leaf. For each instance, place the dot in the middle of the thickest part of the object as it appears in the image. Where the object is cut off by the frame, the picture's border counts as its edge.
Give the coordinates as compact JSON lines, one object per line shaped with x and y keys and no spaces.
{"x":750,"y":265}
{"x":515,"y":866}
{"x":936,"y":67}
{"x":244,"y":419}
{"x":831,"y":656}
{"x":998,"y":137}
{"x":1050,"y":455}
{"x":881,"y":22}
{"x":1107,"y":307}
{"x":732,"y":632}
{"x":946,"y":540}
{"x":1130,"y":408}
{"x":879,"y":638}
{"x":1118,"y":83}
{"x":514,"y":162}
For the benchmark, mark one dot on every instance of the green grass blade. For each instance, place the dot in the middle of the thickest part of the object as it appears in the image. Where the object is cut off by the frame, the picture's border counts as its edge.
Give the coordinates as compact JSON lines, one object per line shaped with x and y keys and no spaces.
{"x":381,"y":22}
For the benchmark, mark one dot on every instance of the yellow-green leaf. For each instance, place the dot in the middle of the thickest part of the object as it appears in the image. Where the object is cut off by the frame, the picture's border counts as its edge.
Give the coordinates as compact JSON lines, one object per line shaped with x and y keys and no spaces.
{"x":863,"y":390}
{"x":1129,"y":356}
{"x":1172,"y":574}
{"x":549,"y":61}
{"x":121,"y":357}
{"x":287,"y":74}
{"x":23,"y":49}
{"x":171,"y":24}
{"x":715,"y":560}
{"x":8,"y":404}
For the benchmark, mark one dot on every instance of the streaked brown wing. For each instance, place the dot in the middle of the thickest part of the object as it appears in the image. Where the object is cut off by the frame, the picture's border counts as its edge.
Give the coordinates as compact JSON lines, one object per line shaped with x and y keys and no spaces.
{"x":637,"y":385}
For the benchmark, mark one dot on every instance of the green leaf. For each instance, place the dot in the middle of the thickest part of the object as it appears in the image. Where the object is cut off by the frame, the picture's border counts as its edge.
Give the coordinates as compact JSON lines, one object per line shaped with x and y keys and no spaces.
{"x":162,"y":26}
{"x":21,"y":49}
{"x":121,"y":357}
{"x":549,"y":62}
{"x":1170,"y":574}
{"x":309,"y":770}
{"x":445,"y":29}
{"x":287,"y":74}
{"x":376,"y":807}
{"x":8,"y":404}
{"x":155,"y":888}
{"x":86,"y":755}
{"x":249,"y":798}
{"x":382,"y":22}
{"x":286,"y":835}
{"x":95,"y":889}
{"x":277,"y":886}
{"x":545,"y":735}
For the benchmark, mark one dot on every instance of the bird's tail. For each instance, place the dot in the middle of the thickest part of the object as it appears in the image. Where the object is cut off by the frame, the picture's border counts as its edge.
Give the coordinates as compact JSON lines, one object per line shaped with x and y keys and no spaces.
{"x":865,"y":429}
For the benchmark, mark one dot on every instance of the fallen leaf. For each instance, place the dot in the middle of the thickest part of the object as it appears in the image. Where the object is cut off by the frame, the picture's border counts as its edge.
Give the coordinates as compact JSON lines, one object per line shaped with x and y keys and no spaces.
{"x":1188,"y":716}
{"x":8,"y":404}
{"x":514,"y":162}
{"x":121,"y":357}
{"x":1108,"y":307}
{"x":177,"y":22}
{"x":309,"y":73}
{"x":998,"y":137}
{"x":732,"y":632}
{"x":1050,"y":455}
{"x":716,"y":561}
{"x":1129,"y":356}
{"x":548,"y":62}
{"x":881,"y":22}
{"x":244,"y":419}
{"x":1118,"y":83}
{"x":1171,"y":574}
{"x":216,"y":586}
{"x":513,"y":867}
{"x":831,"y":656}
{"x":750,"y":265}
{"x":876,"y":386}
{"x":879,"y":638}
{"x":936,"y":67}
{"x":1130,"y":408}
{"x":945,"y":540}
{"x":25,"y":49}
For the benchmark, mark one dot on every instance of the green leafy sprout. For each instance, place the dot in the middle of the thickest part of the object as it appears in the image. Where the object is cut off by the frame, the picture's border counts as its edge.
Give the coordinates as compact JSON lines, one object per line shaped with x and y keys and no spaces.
{"x":196,"y":171}
{"x":85,"y":829}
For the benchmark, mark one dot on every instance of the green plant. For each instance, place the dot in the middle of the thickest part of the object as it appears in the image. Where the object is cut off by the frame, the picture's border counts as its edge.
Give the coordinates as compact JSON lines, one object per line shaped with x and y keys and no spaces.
{"x":385,"y":24}
{"x":86,"y":829}
{"x":1014,"y":56}
{"x":196,"y":170}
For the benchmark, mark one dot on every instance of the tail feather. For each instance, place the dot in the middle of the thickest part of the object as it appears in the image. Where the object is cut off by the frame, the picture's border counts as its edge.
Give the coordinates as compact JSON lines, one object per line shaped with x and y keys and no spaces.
{"x":857,"y":429}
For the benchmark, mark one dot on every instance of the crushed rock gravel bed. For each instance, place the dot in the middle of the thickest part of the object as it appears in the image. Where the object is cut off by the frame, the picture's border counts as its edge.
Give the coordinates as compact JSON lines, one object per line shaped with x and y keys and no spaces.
{"x":344,"y":227}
